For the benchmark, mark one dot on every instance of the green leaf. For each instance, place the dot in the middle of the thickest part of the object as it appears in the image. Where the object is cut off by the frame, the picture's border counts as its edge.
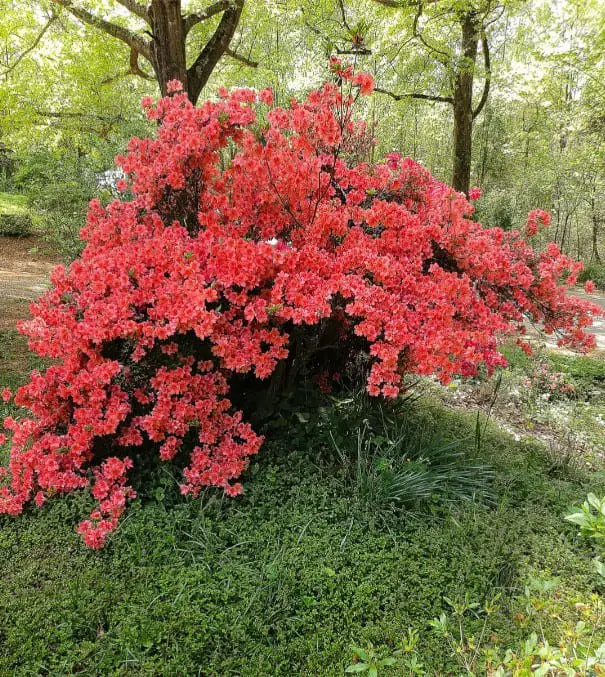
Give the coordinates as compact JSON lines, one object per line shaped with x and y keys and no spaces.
{"x":357,"y":667}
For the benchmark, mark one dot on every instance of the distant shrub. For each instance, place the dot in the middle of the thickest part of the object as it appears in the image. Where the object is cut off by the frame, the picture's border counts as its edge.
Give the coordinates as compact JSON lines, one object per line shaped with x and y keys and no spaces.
{"x":15,"y":223}
{"x":594,"y":272}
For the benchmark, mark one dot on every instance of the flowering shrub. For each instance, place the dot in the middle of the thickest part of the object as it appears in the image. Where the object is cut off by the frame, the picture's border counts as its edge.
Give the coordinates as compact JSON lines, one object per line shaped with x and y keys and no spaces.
{"x":256,"y":248}
{"x":550,"y":384}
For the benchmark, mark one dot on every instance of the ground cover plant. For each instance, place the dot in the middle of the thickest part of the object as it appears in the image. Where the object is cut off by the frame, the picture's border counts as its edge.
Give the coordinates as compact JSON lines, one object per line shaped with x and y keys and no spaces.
{"x":249,"y":254}
{"x":15,"y":219}
{"x":304,"y":569}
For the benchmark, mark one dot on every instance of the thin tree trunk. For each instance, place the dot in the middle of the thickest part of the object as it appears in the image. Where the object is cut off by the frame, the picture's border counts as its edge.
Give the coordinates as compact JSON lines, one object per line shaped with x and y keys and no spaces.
{"x":463,"y":104}
{"x":595,"y":256}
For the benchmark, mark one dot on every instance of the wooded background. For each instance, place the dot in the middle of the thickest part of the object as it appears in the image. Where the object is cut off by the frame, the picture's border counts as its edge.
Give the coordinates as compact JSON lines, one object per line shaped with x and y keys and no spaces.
{"x":505,"y":95}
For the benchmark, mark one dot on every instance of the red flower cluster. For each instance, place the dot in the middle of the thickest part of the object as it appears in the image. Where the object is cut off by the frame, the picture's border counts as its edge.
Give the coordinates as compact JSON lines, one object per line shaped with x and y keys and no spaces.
{"x":242,"y":245}
{"x":535,"y":219}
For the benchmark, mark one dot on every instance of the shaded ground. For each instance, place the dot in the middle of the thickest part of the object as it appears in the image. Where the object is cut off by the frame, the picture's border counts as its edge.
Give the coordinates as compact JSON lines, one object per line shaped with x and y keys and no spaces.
{"x":25,"y":263}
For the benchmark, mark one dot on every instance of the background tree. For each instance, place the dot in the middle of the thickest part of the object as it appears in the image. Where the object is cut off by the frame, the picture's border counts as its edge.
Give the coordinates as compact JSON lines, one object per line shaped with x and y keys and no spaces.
{"x":431,"y":25}
{"x":161,"y":35}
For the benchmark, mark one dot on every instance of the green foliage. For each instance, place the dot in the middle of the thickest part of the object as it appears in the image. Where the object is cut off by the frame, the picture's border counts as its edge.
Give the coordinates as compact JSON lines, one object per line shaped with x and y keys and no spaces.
{"x":15,"y":224}
{"x":286,"y":578}
{"x":590,"y":517}
{"x":14,"y":216}
{"x":59,"y":184}
{"x":367,"y":662}
{"x":577,"y":653}
{"x":391,"y":460}
{"x":586,"y":373}
{"x":594,"y":272}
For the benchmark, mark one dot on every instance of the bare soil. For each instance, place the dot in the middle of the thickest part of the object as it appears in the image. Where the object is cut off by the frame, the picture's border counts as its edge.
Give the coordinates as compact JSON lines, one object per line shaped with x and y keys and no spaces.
{"x":25,"y":264}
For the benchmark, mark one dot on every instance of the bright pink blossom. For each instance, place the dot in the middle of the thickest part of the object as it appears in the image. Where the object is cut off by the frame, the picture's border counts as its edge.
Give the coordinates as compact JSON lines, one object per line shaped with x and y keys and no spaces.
{"x":365,"y":82}
{"x":214,"y":272}
{"x":475,"y":193}
{"x":535,"y":219}
{"x":590,"y":287}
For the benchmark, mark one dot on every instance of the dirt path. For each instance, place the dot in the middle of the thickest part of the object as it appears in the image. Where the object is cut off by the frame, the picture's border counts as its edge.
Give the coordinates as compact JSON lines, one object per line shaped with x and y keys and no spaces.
{"x":597,"y":328}
{"x":25,"y":265}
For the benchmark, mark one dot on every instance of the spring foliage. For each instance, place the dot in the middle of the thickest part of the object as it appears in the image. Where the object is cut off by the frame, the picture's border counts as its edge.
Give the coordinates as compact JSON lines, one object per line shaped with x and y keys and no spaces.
{"x":253,"y":243}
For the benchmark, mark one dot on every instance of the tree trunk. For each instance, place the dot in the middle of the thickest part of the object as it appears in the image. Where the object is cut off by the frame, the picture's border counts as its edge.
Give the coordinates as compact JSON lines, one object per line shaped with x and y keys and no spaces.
{"x":463,"y":104}
{"x":595,"y":256}
{"x":201,"y":69}
{"x":168,"y":43}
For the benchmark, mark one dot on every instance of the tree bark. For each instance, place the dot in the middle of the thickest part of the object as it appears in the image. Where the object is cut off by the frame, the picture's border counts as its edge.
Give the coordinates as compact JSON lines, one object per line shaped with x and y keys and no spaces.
{"x":168,"y":29}
{"x":168,"y":43}
{"x":202,"y":67}
{"x":463,"y":104}
{"x":595,"y":256}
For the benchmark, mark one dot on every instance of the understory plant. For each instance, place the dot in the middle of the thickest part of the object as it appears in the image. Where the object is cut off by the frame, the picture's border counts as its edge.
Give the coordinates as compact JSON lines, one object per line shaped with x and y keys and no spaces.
{"x":392,"y":464}
{"x":251,"y":251}
{"x":577,"y":653}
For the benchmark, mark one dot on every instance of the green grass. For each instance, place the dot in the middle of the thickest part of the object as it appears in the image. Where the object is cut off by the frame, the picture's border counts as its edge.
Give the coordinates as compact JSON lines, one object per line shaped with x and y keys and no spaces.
{"x":15,"y":218}
{"x":283,"y":580}
{"x":13,"y":203}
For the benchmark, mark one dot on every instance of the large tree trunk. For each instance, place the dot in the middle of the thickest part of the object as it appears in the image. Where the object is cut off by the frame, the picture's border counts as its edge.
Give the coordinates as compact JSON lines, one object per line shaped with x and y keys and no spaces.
{"x":168,"y":30}
{"x":463,"y":104}
{"x":168,"y":43}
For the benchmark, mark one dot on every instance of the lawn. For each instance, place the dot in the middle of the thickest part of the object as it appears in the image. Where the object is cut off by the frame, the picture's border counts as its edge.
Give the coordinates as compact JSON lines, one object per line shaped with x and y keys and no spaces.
{"x":308,"y":564}
{"x":15,"y":218}
{"x":12,"y":202}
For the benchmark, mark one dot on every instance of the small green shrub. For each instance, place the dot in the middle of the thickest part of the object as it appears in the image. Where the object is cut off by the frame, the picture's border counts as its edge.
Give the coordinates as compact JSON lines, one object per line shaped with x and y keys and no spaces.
{"x":594,"y":272}
{"x":15,"y":223}
{"x":590,"y":517}
{"x":391,"y":460}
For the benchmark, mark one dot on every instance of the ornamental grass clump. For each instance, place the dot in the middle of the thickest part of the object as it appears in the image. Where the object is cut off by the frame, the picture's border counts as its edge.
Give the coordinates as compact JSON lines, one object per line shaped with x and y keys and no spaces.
{"x":250,"y":251}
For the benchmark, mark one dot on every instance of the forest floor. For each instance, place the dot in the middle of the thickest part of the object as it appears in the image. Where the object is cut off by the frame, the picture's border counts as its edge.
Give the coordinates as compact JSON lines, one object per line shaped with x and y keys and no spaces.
{"x":25,"y":264}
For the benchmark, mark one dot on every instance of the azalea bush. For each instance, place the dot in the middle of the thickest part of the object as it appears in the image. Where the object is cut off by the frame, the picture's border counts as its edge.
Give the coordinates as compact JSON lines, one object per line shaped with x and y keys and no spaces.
{"x":253,"y":250}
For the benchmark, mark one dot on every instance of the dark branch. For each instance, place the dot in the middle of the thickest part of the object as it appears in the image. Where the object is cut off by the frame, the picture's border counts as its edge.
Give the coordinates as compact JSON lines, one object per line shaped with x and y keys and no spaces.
{"x":192,"y":20}
{"x":199,"y":72}
{"x":415,"y":95}
{"x":343,"y":14}
{"x":356,"y":51}
{"x":33,"y":46}
{"x":116,"y":31}
{"x":134,"y":69}
{"x":441,"y":56}
{"x":241,"y":59}
{"x":77,"y":115}
{"x":488,"y":74}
